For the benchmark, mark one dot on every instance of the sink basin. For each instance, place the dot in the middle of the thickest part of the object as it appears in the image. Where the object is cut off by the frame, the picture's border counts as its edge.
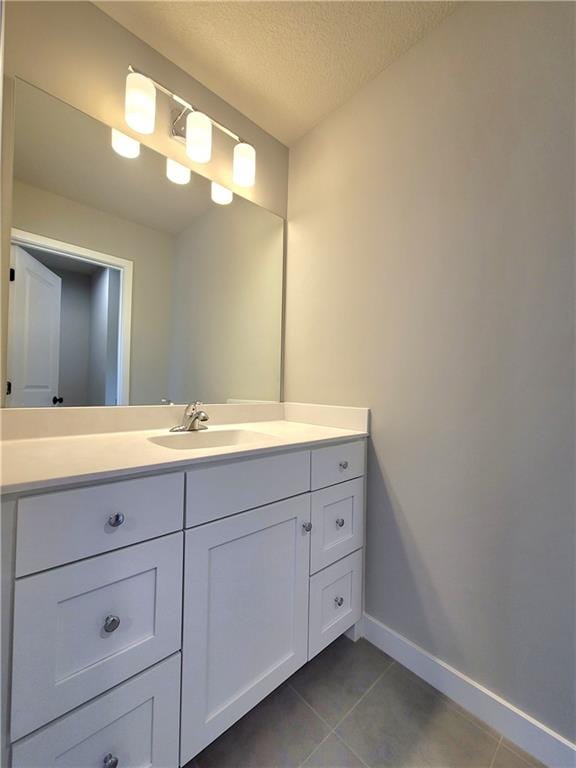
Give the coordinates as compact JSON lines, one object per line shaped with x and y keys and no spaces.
{"x":221,"y":438}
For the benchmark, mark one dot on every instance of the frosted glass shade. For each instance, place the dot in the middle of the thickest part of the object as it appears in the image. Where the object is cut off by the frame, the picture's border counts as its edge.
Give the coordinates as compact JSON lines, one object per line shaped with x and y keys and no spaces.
{"x":140,"y":104}
{"x":199,"y":137}
{"x":125,"y":145}
{"x":220,"y":194}
{"x":177,"y":172}
{"x":244,"y":168}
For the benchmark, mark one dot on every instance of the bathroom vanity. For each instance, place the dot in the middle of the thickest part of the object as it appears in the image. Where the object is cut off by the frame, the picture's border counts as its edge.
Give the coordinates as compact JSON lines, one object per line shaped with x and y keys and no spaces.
{"x":164,"y":584}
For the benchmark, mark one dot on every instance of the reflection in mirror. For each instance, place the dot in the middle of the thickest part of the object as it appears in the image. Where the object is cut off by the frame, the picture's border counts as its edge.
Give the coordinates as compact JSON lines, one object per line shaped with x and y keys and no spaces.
{"x":129,"y":288}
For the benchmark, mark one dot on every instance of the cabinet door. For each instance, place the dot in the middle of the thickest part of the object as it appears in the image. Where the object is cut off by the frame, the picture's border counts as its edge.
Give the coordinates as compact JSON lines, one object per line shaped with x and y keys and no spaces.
{"x":245,"y":615}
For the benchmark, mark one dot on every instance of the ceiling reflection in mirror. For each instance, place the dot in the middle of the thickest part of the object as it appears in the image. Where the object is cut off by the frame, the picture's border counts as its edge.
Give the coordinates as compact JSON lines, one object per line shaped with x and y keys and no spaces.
{"x":128,"y":288}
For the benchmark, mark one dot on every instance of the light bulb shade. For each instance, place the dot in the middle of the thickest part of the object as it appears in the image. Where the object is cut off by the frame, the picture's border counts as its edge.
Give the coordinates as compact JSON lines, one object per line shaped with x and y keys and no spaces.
{"x":140,"y":104}
{"x":220,"y":194}
{"x":199,"y":137}
{"x":244,"y":167}
{"x":125,"y":145}
{"x":177,"y":172}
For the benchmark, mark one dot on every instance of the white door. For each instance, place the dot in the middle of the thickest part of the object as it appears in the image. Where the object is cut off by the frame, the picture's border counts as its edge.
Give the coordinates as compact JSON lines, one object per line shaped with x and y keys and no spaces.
{"x":245,"y":615}
{"x":33,"y":332}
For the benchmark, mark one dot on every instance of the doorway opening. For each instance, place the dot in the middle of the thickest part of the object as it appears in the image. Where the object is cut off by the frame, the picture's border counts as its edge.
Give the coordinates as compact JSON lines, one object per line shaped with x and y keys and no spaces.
{"x":69,"y":325}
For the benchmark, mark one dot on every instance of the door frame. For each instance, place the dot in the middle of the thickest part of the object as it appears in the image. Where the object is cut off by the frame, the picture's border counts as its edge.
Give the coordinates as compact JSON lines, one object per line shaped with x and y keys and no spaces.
{"x":124,"y":266}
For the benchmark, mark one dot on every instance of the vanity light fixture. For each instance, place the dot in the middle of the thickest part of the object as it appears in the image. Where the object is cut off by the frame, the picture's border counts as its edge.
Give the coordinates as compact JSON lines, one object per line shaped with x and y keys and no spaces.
{"x":177,"y":172}
{"x":220,"y":195}
{"x":197,"y":134}
{"x":140,"y":103}
{"x":125,"y":145}
{"x":244,"y":167}
{"x":198,"y":137}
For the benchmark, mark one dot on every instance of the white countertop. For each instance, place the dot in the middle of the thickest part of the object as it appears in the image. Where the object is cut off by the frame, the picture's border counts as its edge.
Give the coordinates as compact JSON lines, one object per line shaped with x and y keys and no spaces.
{"x":34,"y":464}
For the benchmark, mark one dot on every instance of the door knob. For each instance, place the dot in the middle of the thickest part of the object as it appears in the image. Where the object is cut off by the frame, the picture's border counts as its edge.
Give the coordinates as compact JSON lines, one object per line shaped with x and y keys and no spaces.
{"x":307,"y":527}
{"x":339,"y":601}
{"x":110,"y":761}
{"x":340,"y":522}
{"x":343,"y":465}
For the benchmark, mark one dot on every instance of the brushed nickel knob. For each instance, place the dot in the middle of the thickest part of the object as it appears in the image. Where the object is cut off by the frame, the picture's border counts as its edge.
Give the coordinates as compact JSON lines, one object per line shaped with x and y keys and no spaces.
{"x":110,"y":761}
{"x":343,"y":465}
{"x":307,"y":527}
{"x":111,"y":623}
{"x":116,"y":520}
{"x":339,"y":601}
{"x":340,"y":522}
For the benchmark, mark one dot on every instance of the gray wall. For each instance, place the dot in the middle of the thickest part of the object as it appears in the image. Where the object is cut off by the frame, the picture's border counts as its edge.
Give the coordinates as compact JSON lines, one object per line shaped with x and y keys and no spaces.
{"x":74,"y":337}
{"x":431,"y":277}
{"x":98,"y":361}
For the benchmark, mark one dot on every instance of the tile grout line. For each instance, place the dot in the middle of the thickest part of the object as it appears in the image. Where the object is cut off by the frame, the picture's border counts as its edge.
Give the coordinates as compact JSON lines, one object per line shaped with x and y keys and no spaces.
{"x":332,"y":730}
{"x":316,"y":748}
{"x":366,"y":692}
{"x":310,"y":707}
{"x":522,"y":754}
{"x":459,"y":710}
{"x":348,"y":747}
{"x":496,"y":752}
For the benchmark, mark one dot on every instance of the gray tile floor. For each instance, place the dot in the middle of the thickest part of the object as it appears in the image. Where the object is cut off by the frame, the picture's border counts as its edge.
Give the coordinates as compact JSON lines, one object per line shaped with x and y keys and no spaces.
{"x":354,"y":707}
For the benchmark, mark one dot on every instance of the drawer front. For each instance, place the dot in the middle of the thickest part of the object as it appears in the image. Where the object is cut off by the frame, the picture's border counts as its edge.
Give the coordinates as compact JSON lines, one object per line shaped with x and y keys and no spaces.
{"x":136,"y":723}
{"x":224,"y":489}
{"x":335,"y":601}
{"x":58,"y":528}
{"x":337,"y":523}
{"x":83,"y":628}
{"x":337,"y":463}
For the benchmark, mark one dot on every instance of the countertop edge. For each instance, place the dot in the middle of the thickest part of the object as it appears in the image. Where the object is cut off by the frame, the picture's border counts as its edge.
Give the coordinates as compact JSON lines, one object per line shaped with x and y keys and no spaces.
{"x":65,"y":481}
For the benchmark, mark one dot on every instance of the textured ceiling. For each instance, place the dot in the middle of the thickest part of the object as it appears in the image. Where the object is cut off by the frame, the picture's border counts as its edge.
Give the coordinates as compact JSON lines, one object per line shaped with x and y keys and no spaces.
{"x":283,"y":64}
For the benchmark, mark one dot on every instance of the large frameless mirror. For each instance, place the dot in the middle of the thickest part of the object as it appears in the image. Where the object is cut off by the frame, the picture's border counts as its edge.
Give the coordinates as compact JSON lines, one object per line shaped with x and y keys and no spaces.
{"x":127,"y":288}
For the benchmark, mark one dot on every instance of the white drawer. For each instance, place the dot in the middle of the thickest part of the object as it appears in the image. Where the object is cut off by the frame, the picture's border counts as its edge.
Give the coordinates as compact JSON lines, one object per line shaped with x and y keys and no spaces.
{"x":335,"y":601}
{"x":58,"y":528}
{"x":337,"y":463}
{"x":337,"y":523}
{"x":224,"y":489}
{"x":65,"y":650}
{"x":136,"y":723}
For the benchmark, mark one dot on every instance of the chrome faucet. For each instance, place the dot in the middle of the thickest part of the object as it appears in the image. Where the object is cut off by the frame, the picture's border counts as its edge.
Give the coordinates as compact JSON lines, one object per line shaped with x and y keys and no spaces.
{"x":193,"y":416}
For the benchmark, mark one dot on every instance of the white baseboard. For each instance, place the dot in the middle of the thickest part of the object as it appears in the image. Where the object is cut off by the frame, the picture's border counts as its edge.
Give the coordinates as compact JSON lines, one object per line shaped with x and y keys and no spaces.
{"x":529,"y":734}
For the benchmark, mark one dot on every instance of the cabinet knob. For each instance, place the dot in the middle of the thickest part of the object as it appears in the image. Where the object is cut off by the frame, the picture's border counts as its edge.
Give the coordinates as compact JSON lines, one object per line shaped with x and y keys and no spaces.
{"x":111,"y":623}
{"x":340,"y":522}
{"x":110,"y":761}
{"x":307,"y":527}
{"x":339,"y":601}
{"x":343,"y":465}
{"x":116,"y":520}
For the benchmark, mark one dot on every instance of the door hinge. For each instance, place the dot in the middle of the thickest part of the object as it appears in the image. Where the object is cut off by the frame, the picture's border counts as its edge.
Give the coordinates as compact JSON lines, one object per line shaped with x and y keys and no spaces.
{"x":8,"y":387}
{"x":12,"y":274}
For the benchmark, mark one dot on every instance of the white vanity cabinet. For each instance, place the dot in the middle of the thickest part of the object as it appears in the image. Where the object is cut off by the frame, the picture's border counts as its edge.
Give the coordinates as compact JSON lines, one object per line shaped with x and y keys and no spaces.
{"x":245,"y":615}
{"x":151,"y":613}
{"x":252,"y":613}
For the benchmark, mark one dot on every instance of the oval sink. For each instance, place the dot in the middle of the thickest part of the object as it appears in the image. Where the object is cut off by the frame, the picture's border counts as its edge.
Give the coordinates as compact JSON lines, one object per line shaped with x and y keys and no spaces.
{"x":189,"y":441}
